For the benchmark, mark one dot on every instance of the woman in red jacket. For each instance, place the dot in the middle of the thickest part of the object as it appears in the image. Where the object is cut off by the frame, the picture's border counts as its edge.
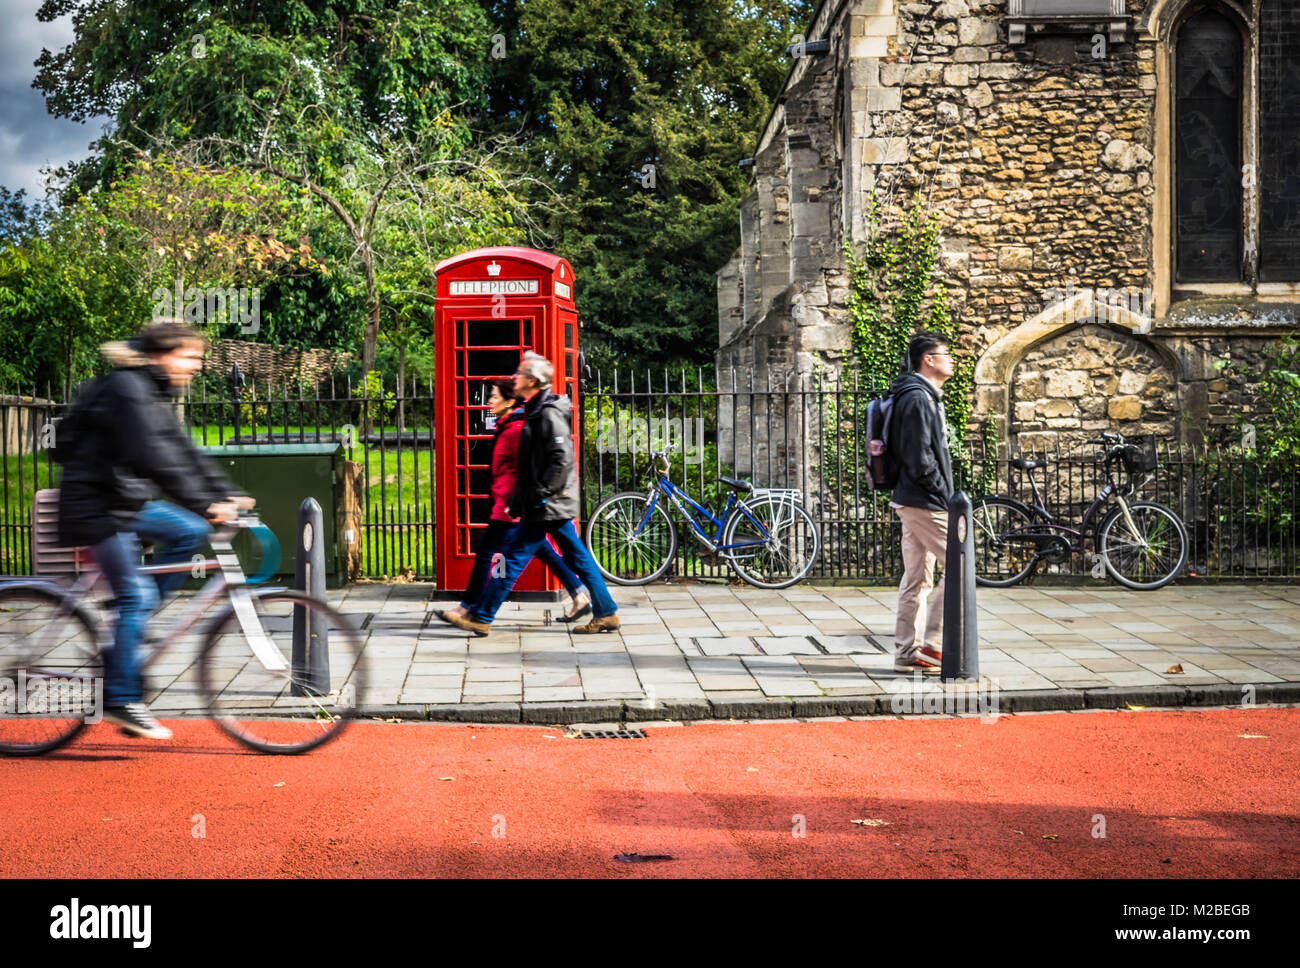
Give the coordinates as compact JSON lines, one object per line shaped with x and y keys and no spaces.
{"x":509,"y":413}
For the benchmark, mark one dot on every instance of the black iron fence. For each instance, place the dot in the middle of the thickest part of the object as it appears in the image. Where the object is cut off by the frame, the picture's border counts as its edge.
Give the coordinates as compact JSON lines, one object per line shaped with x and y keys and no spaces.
{"x":803,"y":432}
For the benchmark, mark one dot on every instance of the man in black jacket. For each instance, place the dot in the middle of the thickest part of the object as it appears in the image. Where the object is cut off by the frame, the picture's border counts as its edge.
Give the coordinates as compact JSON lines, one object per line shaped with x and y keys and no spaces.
{"x":919,"y":447}
{"x":546,"y":499}
{"x":119,"y":446}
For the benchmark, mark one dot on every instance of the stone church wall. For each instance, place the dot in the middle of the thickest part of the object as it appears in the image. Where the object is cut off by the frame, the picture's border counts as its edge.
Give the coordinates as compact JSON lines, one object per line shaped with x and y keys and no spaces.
{"x":1042,"y":162}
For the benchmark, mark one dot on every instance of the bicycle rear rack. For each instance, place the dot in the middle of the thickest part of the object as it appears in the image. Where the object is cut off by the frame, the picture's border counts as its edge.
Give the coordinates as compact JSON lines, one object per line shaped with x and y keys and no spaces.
{"x":782,"y":495}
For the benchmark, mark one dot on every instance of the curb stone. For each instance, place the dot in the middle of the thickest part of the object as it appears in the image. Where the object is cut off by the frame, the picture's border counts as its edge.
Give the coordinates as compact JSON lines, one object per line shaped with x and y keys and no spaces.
{"x":808,"y":707}
{"x":1042,"y":700}
{"x":1272,"y":691}
{"x":477,"y":712}
{"x":811,"y":707}
{"x":681,"y":710}
{"x":1225,"y":695}
{"x":586,"y":710}
{"x":752,"y":709}
{"x":1118,"y":698}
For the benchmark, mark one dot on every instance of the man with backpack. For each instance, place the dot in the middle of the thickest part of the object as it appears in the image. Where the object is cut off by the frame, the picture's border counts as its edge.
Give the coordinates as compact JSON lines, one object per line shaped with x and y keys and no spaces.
{"x":120,"y":447}
{"x":917,"y":447}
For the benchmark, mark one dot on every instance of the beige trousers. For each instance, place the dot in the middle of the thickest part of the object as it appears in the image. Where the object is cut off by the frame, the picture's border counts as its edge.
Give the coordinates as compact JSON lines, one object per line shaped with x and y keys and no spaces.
{"x":925,"y":541}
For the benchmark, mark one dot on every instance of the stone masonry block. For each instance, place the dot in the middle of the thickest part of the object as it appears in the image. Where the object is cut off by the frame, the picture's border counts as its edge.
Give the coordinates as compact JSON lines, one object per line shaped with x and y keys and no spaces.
{"x":880,"y":27}
{"x":868,"y":47}
{"x":884,"y":99}
{"x":1067,"y":383}
{"x":884,"y":151}
{"x":1125,"y":408}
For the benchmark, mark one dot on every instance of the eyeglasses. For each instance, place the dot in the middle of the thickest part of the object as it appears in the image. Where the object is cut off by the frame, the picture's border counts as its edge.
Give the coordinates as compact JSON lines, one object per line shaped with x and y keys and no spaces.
{"x":949,"y":355}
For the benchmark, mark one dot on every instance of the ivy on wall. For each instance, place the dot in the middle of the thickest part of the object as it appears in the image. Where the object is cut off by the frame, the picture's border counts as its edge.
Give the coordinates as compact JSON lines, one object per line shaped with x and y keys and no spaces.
{"x":895,"y":290}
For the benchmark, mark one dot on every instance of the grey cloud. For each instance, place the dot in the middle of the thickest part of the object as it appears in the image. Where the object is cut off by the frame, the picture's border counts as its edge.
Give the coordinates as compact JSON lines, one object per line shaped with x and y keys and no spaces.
{"x":29,"y":136}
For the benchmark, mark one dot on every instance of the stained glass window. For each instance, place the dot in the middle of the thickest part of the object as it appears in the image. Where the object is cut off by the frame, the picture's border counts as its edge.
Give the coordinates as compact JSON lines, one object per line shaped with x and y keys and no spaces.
{"x":1279,"y":168}
{"x":1207,"y":135}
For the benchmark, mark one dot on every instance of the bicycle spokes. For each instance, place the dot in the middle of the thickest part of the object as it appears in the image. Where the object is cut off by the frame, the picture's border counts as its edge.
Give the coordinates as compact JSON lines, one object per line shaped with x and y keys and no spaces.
{"x":51,"y":673}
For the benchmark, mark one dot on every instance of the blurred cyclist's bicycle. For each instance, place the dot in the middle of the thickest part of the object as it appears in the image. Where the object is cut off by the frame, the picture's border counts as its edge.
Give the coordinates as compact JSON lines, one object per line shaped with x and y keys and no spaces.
{"x":243,"y":669}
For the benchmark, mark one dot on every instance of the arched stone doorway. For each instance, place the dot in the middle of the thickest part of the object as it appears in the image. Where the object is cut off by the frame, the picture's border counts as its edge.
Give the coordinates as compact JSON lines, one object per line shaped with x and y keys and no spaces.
{"x":1084,"y":380}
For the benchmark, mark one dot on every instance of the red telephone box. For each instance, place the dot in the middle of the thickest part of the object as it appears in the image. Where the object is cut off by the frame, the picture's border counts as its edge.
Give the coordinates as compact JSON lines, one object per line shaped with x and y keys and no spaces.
{"x":492,"y":305}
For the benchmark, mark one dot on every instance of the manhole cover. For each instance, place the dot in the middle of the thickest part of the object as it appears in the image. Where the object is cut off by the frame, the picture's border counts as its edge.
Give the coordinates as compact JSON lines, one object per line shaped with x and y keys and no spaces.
{"x":610,"y":734}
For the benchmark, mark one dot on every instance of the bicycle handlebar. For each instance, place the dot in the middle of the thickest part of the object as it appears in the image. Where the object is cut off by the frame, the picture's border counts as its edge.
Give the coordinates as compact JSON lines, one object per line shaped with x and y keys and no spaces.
{"x":243,"y":519}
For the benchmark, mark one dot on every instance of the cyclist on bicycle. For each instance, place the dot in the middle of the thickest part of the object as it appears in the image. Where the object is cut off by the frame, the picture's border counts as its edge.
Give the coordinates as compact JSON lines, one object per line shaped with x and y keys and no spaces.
{"x":120,"y":446}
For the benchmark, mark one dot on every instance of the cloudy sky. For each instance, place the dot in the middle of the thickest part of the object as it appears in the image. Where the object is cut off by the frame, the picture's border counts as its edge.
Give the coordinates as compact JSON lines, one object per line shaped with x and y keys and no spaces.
{"x":29,"y":136}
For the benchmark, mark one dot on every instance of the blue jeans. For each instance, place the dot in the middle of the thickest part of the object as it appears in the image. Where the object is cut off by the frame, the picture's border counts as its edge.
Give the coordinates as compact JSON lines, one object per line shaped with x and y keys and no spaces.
{"x":176,"y":535}
{"x":496,"y":537}
{"x":519,"y":552}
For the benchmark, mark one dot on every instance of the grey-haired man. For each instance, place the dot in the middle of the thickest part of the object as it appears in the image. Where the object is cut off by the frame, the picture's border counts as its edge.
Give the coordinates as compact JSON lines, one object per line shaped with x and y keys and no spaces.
{"x":546,"y":499}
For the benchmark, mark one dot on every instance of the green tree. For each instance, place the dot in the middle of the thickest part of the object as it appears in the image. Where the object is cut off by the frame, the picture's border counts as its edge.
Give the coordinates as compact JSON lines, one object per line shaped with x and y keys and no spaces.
{"x":175,"y":71}
{"x":310,"y":95}
{"x":61,"y":294}
{"x":640,"y":112}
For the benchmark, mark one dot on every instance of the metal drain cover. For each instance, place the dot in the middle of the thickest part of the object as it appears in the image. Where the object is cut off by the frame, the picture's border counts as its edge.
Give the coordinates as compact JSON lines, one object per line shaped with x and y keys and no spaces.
{"x":610,"y":734}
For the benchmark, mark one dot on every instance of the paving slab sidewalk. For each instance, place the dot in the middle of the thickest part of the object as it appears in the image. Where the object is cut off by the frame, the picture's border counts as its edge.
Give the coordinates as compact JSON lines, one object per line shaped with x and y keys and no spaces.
{"x":713,"y":651}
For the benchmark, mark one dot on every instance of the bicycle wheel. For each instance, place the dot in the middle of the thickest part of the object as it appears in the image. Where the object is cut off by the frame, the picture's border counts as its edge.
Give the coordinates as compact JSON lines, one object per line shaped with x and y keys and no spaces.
{"x":288,"y":710}
{"x":627,"y":548}
{"x":787,"y":554}
{"x":51,"y":672}
{"x":1001,"y":560}
{"x":1151,"y":553}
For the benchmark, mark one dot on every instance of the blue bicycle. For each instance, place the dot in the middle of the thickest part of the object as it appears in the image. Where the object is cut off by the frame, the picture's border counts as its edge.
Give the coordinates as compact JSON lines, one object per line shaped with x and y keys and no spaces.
{"x":767,"y":538}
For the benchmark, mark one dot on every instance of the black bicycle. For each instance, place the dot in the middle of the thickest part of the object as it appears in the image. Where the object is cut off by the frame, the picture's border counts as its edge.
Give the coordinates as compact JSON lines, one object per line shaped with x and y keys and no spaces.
{"x":1143,"y":544}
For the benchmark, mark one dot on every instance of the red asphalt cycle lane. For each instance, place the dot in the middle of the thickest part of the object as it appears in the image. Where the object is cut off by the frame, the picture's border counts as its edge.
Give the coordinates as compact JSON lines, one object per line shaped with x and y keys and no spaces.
{"x":1183,"y":794}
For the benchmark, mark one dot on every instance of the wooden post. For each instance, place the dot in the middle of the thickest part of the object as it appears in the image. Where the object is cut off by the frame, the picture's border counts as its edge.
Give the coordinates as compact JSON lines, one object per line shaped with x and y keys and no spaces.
{"x":349,"y":520}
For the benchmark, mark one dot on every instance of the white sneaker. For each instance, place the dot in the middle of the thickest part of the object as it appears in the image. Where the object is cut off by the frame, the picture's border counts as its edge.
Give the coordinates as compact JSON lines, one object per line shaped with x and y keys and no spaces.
{"x":136,"y":719}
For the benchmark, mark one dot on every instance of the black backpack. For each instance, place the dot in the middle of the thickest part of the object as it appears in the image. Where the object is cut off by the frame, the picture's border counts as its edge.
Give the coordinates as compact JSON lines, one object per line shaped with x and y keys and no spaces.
{"x":72,"y":425}
{"x":882,"y":467}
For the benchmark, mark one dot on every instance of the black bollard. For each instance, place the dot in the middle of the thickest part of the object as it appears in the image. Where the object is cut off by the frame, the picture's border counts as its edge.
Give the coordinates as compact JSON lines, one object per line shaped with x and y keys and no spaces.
{"x":961,"y":657}
{"x":311,"y":646}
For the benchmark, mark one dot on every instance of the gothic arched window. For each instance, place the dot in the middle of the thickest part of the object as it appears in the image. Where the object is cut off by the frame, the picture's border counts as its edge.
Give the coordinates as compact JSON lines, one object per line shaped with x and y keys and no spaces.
{"x":1207,"y":149}
{"x":1279,"y":145}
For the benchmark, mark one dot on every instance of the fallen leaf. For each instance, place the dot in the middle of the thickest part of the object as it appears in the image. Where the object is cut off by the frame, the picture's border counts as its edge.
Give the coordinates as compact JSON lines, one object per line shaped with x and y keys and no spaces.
{"x":872,"y":823}
{"x":1135,"y":708}
{"x":1174,"y":669}
{"x":1251,"y":736}
{"x":1017,"y":831}
{"x":1050,"y":837}
{"x":751,"y":769}
{"x":281,"y":783}
{"x":446,"y":778}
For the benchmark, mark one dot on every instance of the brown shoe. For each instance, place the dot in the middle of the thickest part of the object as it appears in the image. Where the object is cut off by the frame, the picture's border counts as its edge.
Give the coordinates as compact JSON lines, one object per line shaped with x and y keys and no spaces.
{"x":468,"y":624}
{"x":607,"y":623}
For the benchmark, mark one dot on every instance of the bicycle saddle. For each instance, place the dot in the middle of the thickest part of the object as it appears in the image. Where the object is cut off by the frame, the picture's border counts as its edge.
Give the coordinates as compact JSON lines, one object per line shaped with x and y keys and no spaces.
{"x":1028,"y":465}
{"x":743,"y":486}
